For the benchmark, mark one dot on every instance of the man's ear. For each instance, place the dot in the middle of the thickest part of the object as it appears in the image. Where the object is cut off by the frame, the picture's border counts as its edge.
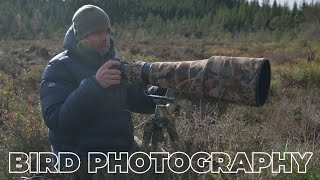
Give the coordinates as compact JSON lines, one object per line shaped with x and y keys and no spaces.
{"x":83,"y":42}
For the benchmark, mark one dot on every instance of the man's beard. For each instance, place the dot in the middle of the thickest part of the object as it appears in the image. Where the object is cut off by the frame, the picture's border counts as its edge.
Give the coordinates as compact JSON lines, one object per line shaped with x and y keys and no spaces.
{"x":104,"y":48}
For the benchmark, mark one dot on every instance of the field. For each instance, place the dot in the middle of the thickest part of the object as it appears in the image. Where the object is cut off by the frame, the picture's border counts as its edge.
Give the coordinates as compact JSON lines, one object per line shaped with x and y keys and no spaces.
{"x":289,"y":122}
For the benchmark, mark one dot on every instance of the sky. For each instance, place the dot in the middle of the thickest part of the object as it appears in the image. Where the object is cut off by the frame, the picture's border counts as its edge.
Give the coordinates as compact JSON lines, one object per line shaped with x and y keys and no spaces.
{"x":291,"y":2}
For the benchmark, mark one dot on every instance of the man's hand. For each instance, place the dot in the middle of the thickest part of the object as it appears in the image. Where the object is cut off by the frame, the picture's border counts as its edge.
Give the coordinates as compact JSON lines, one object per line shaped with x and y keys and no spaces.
{"x":107,"y":75}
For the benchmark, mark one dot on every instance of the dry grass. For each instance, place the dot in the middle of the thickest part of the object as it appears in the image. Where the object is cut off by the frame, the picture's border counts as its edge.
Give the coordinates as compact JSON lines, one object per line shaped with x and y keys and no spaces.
{"x":288,"y":122}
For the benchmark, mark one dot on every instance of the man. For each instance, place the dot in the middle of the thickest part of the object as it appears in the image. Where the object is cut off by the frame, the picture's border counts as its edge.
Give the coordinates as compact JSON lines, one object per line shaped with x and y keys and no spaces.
{"x":84,"y":101}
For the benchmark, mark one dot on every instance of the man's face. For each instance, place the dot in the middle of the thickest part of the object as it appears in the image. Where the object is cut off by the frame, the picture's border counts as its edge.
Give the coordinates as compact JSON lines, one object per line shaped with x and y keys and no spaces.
{"x":99,"y":41}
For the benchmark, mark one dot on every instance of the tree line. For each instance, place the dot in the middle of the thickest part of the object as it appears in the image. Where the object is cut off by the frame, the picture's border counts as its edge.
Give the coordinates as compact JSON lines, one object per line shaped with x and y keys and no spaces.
{"x":21,"y":19}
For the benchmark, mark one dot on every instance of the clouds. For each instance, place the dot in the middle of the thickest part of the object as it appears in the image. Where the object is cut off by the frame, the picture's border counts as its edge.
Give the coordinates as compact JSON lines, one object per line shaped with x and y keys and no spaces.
{"x":290,"y":2}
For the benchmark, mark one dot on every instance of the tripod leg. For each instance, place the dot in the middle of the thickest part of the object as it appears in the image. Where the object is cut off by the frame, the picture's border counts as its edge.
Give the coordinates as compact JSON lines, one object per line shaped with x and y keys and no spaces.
{"x":173,"y":134}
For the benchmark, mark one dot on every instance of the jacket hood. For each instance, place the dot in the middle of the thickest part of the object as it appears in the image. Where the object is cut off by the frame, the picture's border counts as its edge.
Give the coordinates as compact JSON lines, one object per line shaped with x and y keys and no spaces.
{"x":70,"y":43}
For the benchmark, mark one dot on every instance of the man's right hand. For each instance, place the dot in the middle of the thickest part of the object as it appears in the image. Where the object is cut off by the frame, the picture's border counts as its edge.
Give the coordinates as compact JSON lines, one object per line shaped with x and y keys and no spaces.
{"x":107,"y":75}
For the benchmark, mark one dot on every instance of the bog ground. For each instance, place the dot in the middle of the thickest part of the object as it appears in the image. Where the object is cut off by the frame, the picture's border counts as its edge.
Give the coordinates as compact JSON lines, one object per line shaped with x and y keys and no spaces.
{"x":289,"y":122}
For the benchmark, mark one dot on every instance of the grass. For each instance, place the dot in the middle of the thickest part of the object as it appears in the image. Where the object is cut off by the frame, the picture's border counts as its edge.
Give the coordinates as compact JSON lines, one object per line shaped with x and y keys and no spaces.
{"x":288,"y":122}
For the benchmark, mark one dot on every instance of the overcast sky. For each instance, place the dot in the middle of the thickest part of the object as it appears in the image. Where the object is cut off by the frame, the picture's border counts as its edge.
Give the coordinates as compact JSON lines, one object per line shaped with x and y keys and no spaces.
{"x":290,"y":2}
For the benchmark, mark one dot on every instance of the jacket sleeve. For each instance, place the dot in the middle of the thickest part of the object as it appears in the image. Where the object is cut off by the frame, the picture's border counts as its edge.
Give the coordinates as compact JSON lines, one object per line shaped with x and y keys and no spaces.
{"x":138,"y":100}
{"x":63,"y":105}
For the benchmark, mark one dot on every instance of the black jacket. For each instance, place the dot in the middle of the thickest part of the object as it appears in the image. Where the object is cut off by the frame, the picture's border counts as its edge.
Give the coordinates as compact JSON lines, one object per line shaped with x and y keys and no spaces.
{"x":80,"y":114}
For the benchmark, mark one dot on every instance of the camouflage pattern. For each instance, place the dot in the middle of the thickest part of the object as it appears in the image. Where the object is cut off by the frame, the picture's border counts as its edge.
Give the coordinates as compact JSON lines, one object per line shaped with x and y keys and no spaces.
{"x":164,"y":118}
{"x":132,"y":71}
{"x":236,"y":79}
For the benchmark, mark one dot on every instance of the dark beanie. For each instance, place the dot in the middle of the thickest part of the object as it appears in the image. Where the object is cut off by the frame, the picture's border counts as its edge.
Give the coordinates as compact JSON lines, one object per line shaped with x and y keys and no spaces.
{"x":89,"y":19}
